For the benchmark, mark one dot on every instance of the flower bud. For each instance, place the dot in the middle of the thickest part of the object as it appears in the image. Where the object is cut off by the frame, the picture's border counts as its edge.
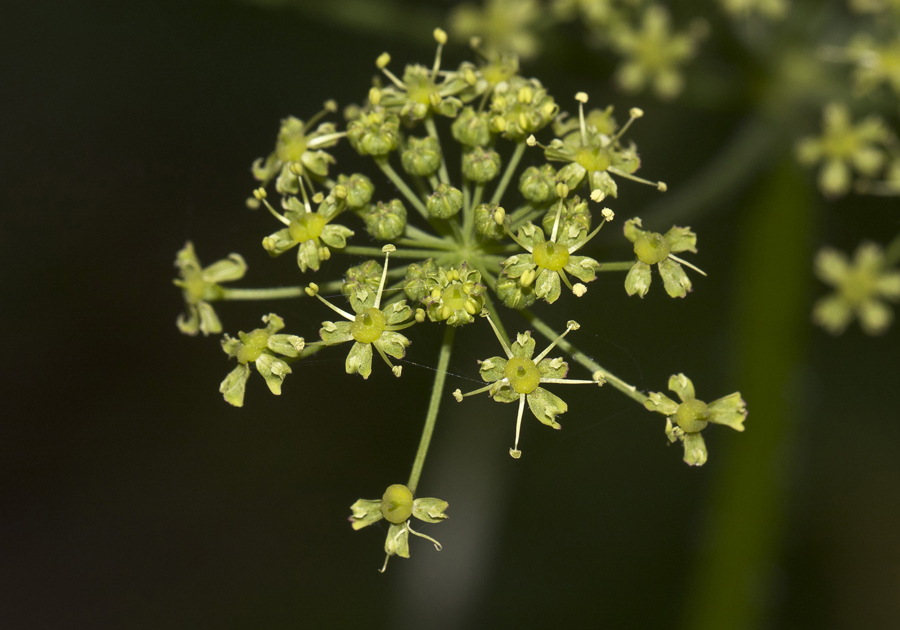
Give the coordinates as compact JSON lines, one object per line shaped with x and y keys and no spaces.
{"x":486,"y":220}
{"x":422,"y":156}
{"x":359,"y":190}
{"x":446,"y":202}
{"x":538,"y":185}
{"x":480,"y":166}
{"x":386,"y":222}
{"x":472,"y":129}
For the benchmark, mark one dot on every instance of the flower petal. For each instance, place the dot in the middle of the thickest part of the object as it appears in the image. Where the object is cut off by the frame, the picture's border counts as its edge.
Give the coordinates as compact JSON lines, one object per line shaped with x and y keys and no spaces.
{"x":546,"y":406}
{"x":359,"y":360}
{"x":682,"y":386}
{"x":232,"y":388}
{"x":660,"y":403}
{"x":273,"y":370}
{"x":730,"y":410}
{"x":638,"y":279}
{"x":674,"y":279}
{"x":694,"y":449}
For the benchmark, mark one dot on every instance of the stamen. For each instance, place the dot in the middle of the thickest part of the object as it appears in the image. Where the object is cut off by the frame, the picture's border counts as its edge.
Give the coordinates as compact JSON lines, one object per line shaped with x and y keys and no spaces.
{"x":570,"y":325}
{"x":686,"y":263}
{"x":607,"y":216}
{"x":566,"y":381}
{"x":260,"y":195}
{"x":387,"y":249}
{"x":516,"y":239}
{"x":441,"y":38}
{"x":660,"y":186}
{"x":329,"y":107}
{"x":514,"y":452}
{"x":395,"y":369}
{"x":582,"y":98}
{"x":458,"y":395}
{"x":506,"y":349}
{"x":559,"y":211}
{"x":634,"y":113}
{"x":383,"y":60}
{"x":313,"y":290}
{"x":437,"y":545}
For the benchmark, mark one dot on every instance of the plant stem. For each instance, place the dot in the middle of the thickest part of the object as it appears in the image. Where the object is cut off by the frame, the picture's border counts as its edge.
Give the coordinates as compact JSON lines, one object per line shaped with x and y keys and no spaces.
{"x":432,"y":131}
{"x":275,"y":293}
{"x":400,"y":253}
{"x":892,"y":252}
{"x":629,"y":390}
{"x":388,"y":170}
{"x":433,"y":406}
{"x":510,"y":169}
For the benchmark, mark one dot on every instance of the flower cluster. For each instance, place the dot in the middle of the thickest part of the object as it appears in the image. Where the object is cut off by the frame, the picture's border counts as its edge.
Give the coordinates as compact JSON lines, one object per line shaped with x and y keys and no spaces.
{"x":457,"y":247}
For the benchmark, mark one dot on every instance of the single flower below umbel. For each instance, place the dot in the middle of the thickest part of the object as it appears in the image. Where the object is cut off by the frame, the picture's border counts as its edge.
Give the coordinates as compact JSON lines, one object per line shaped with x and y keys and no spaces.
{"x":397,"y":506}
{"x":519,"y":377}
{"x":861,"y":286}
{"x":685,"y":421}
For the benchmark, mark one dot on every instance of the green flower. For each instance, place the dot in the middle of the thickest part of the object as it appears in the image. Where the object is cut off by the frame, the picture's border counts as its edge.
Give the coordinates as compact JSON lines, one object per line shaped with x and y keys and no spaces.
{"x":860,"y":285}
{"x":300,"y":148}
{"x":397,"y":506}
{"x":505,"y":26}
{"x":593,"y":12}
{"x":654,"y":54}
{"x":652,"y":248}
{"x":259,"y":347}
{"x":875,"y":6}
{"x":419,"y":94}
{"x":310,"y":231}
{"x":592,"y":147}
{"x":548,"y":261}
{"x":519,"y":377}
{"x":374,"y":132}
{"x":843,"y":145}
{"x":200,"y":286}
{"x":876,"y":63}
{"x":371,"y":327}
{"x":685,"y":421}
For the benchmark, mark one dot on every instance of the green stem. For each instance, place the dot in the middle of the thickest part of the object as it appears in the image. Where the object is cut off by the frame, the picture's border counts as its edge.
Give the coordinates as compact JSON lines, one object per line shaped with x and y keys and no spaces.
{"x":510,"y":169}
{"x":400,"y":253}
{"x":439,"y":245}
{"x":433,"y":406}
{"x":413,"y":232}
{"x":892,"y":252}
{"x":432,"y":131}
{"x":405,"y":190}
{"x":629,"y":390}
{"x":275,"y":293}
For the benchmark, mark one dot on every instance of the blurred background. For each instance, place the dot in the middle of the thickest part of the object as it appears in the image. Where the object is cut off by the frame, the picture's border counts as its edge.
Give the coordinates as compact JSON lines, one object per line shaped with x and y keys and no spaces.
{"x":133,"y":496}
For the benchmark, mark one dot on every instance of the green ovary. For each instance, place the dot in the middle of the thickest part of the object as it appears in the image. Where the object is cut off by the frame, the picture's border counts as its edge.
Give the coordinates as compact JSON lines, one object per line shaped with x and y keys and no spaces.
{"x":368,"y":326}
{"x":454,"y":297}
{"x":858,"y":287}
{"x":522,"y":374}
{"x":550,"y":255}
{"x":251,"y":349}
{"x":397,"y":503}
{"x":420,"y":94}
{"x":692,"y":415}
{"x":307,"y":227}
{"x":593,"y":159}
{"x":651,"y":248}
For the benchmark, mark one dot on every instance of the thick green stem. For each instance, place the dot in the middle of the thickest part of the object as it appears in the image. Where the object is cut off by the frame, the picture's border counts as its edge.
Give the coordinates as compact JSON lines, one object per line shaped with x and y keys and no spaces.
{"x":510,"y":169}
{"x":432,"y":131}
{"x":629,"y":390}
{"x":405,"y":190}
{"x":400,"y":253}
{"x":433,"y":407}
{"x":275,"y":293}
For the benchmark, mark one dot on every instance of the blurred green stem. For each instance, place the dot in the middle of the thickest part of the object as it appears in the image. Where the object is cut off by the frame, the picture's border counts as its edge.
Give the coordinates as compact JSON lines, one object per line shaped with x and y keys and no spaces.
{"x":731,"y":586}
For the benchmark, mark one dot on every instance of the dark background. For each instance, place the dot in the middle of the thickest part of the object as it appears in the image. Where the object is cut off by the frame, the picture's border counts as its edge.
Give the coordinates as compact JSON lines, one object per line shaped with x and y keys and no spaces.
{"x":132,"y":496}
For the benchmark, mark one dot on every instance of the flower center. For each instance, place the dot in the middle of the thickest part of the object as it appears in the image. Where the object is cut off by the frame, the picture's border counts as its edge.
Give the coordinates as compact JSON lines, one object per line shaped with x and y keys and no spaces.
{"x":368,"y":326}
{"x":397,"y":503}
{"x":522,"y":374}
{"x":308,"y":227}
{"x":550,"y":255}
{"x":692,"y":415}
{"x":858,"y":286}
{"x":454,"y":297}
{"x":253,"y":347}
{"x":293,"y":148}
{"x":652,"y":248}
{"x":593,"y":159}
